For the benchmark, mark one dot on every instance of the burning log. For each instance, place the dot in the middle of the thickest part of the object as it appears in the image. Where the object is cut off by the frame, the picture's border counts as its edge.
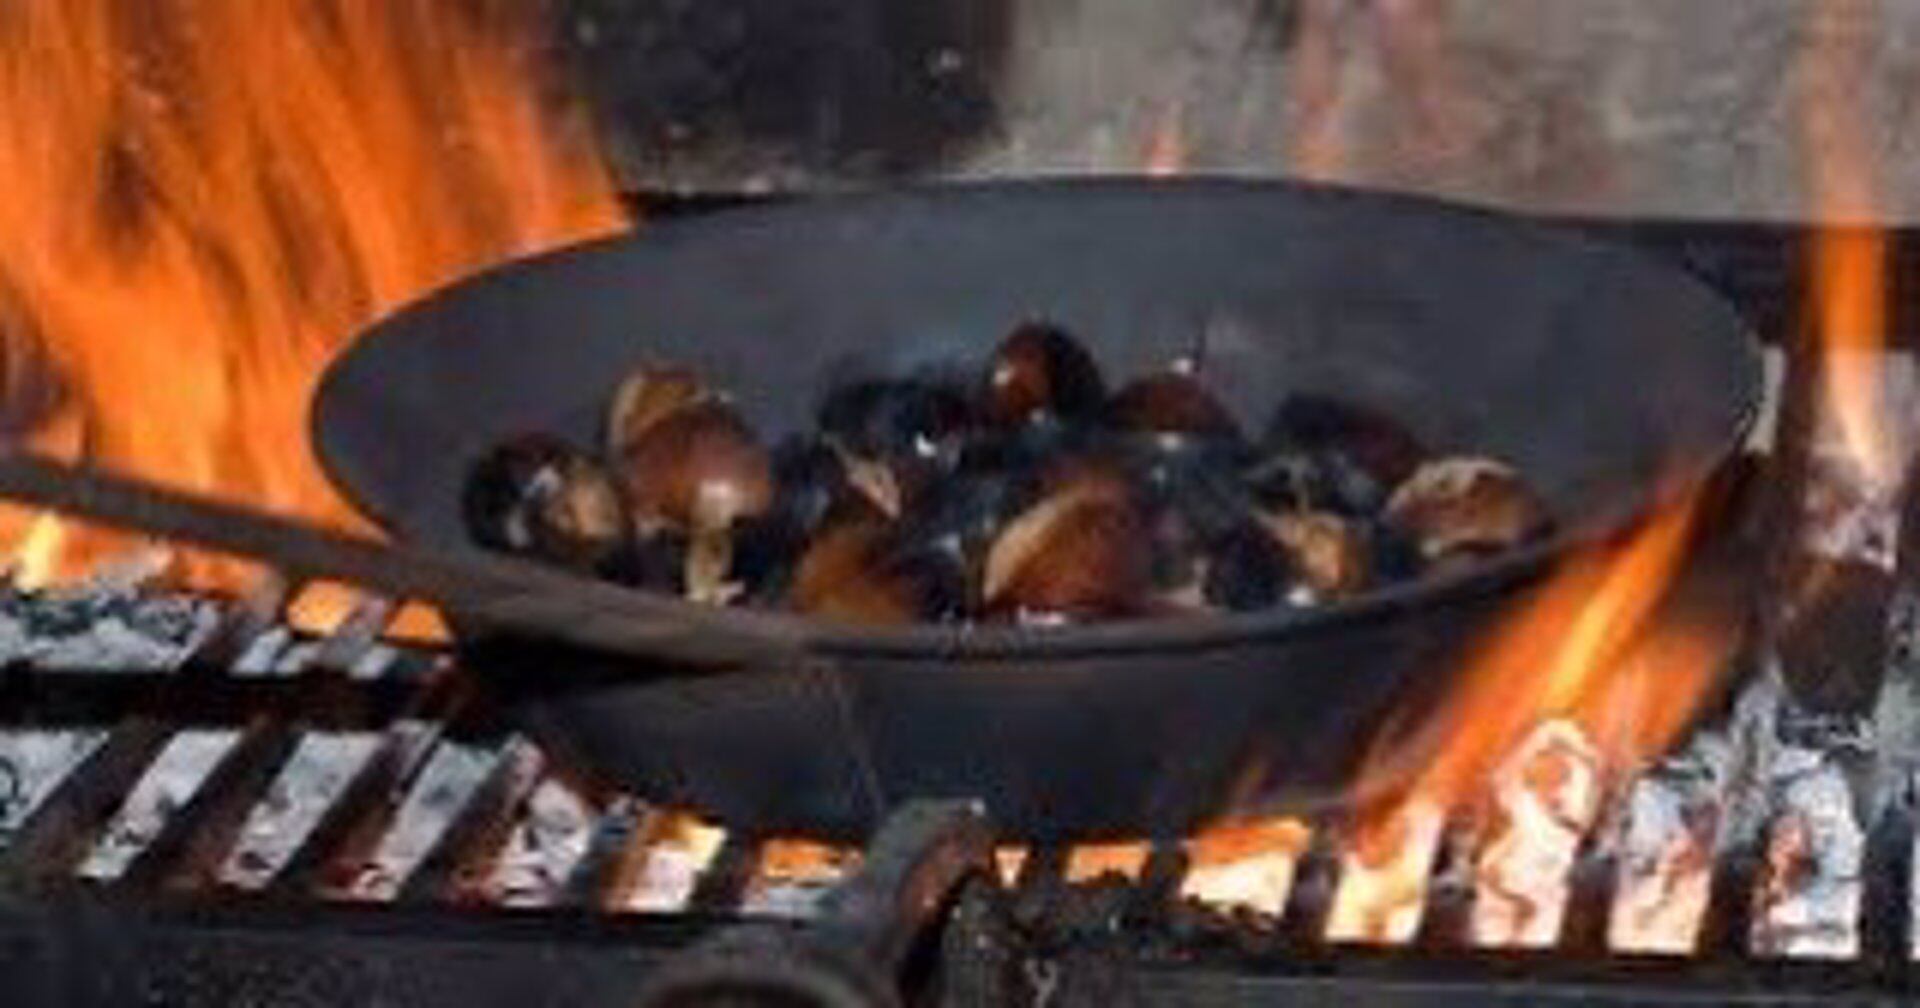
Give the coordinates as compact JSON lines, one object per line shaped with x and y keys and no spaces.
{"x":1807,"y":905}
{"x":1383,"y":877}
{"x":1546,"y":798}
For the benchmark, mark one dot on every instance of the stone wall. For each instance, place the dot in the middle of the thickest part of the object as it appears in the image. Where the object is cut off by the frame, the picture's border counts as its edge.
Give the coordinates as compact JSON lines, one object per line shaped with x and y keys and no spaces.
{"x":1748,"y":108}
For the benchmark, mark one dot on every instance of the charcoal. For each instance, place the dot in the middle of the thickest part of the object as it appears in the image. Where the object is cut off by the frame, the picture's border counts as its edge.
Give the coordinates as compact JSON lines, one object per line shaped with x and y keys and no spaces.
{"x":103,"y":629}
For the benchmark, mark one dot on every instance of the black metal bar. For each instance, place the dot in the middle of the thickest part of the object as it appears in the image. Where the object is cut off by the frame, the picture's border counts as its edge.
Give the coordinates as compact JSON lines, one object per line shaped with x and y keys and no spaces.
{"x":190,"y":844}
{"x":471,"y":843}
{"x":723,"y":885}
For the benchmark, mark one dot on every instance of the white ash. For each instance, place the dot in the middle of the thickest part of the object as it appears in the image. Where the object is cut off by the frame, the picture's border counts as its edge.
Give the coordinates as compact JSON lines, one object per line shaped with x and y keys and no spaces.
{"x":111,"y":628}
{"x":261,"y":654}
{"x":169,"y":783}
{"x":374,"y":663}
{"x":453,"y":773}
{"x":675,"y":858}
{"x":1665,"y":863}
{"x":1807,"y":902}
{"x":296,"y":659}
{"x":1381,"y":899}
{"x":544,"y":848}
{"x":1913,"y":882}
{"x":33,"y":762}
{"x":1546,"y":797}
{"x":322,"y":766}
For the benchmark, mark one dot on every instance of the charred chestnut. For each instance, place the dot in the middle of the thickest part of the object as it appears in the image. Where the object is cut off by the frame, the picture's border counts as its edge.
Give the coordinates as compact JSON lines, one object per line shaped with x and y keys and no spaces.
{"x":539,"y":496}
{"x":857,"y":572}
{"x":1464,"y":503}
{"x":1372,"y":441}
{"x":1076,"y":555}
{"x":698,"y":470}
{"x":1041,"y":372}
{"x":913,"y":424}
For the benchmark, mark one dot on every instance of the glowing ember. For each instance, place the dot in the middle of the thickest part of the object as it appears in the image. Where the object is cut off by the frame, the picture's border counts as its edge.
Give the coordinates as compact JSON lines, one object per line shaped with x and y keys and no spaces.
{"x":1545,"y":799}
{"x":1383,"y":877}
{"x":203,"y":199}
{"x":1087,"y":862}
{"x":1248,"y":866}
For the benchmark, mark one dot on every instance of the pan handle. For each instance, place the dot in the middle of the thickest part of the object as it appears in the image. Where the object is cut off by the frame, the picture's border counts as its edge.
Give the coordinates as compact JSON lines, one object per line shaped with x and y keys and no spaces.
{"x":499,"y":592}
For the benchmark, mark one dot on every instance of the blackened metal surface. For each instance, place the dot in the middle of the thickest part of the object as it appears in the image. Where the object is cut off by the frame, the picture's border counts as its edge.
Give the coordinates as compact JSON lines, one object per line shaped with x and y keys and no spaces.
{"x":1596,"y":374}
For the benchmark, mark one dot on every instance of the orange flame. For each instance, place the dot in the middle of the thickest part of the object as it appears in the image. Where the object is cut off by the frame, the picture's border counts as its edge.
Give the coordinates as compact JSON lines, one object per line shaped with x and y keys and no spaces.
{"x":1848,"y":280}
{"x":1585,"y":648}
{"x":1167,"y":145}
{"x":204,"y":199}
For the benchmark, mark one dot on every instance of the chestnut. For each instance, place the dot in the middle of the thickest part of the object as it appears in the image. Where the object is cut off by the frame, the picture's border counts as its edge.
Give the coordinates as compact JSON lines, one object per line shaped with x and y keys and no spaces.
{"x":698,"y":470}
{"x":916,"y":426}
{"x":1040,"y":372}
{"x":855,"y":571}
{"x":1175,"y":407}
{"x":539,"y":496}
{"x":1246,"y":570}
{"x":1464,"y":503}
{"x":646,"y":397}
{"x":1331,"y":554}
{"x":1367,"y":438}
{"x":1076,"y":555}
{"x":963,"y":514}
{"x":814,"y":484}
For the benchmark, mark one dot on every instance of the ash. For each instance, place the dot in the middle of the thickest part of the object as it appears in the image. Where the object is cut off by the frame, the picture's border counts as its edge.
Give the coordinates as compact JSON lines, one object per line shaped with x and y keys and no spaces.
{"x":548,"y":842}
{"x":32,"y":763}
{"x":1808,"y":902}
{"x":103,"y":627}
{"x":450,"y":778}
{"x":320,"y":769}
{"x":175,"y":776}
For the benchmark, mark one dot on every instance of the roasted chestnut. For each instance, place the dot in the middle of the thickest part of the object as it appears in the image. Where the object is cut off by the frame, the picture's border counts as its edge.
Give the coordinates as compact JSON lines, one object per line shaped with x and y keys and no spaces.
{"x":917,"y":424}
{"x":1174,"y":406}
{"x":1076,"y":555}
{"x":1040,"y":372}
{"x":962,"y":516}
{"x":857,"y":572}
{"x":1246,"y":570}
{"x":1331,"y":554}
{"x":539,"y":496}
{"x":1464,"y":503}
{"x":646,"y":397}
{"x":814,"y":484}
{"x":698,"y":470}
{"x":1374,"y":442}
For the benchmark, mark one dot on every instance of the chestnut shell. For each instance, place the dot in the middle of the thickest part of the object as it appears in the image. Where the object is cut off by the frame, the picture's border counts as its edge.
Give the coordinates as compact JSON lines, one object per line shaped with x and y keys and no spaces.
{"x":1040,"y":371}
{"x":698,"y":465}
{"x":538,"y":496}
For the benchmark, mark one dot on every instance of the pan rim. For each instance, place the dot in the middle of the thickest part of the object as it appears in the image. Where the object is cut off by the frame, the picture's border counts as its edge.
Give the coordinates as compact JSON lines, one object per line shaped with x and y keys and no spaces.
{"x":813,"y":637}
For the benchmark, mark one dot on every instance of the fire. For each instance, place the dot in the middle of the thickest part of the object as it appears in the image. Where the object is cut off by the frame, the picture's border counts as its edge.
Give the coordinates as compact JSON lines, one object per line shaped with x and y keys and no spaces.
{"x":1848,"y":265}
{"x":205,"y":199}
{"x":1586,"y":677}
{"x":1167,"y":145}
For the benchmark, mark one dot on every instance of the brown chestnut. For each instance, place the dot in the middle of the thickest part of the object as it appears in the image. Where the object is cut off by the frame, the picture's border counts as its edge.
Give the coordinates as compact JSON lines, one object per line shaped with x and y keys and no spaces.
{"x":1039,"y":372}
{"x":645,"y":398}
{"x":539,"y":496}
{"x":1330,"y":553}
{"x":698,"y":469}
{"x":1174,"y":408}
{"x":857,"y":572}
{"x":1464,"y":503}
{"x":1078,"y":554}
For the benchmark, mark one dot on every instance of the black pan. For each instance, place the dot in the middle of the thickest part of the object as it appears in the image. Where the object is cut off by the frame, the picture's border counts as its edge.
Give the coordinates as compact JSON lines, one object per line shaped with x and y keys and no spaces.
{"x":1602,"y":376}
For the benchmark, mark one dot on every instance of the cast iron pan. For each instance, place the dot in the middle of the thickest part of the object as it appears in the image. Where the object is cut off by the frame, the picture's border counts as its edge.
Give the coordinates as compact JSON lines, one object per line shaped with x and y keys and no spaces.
{"x":1603,"y":377}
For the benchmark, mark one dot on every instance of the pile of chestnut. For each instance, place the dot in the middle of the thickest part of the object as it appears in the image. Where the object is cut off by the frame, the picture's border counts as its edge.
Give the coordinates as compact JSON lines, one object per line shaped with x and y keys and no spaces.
{"x":1024,"y":492}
